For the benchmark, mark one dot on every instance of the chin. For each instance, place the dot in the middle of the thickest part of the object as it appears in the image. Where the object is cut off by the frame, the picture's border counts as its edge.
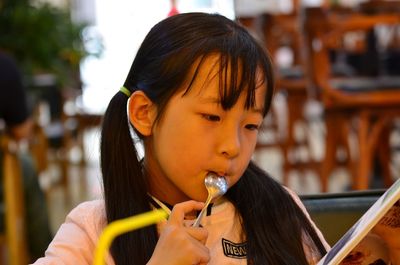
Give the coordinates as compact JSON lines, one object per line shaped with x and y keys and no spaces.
{"x":199,"y":197}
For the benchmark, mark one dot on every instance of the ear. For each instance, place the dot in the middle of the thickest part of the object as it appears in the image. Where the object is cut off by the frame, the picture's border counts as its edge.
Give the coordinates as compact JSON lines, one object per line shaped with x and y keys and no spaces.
{"x":142,"y":112}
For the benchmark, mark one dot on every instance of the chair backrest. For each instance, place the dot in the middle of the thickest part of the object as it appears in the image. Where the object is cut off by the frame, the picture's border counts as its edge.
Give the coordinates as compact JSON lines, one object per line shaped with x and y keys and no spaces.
{"x":284,"y":30}
{"x":328,"y":30}
{"x":335,"y":213}
{"x":13,"y":201}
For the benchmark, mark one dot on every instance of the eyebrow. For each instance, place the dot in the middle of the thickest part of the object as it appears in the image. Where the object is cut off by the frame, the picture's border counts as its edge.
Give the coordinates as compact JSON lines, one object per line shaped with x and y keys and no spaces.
{"x":210,"y":100}
{"x":213,"y":100}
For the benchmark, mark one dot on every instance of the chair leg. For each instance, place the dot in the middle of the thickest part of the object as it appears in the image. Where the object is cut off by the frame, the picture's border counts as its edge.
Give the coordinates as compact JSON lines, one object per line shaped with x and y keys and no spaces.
{"x":296,"y":101}
{"x":373,"y":134}
{"x":327,"y":163}
{"x":337,"y":130}
{"x":384,"y":156}
{"x":288,"y":143}
{"x":361,"y":178}
{"x":14,"y":206}
{"x":329,"y":159}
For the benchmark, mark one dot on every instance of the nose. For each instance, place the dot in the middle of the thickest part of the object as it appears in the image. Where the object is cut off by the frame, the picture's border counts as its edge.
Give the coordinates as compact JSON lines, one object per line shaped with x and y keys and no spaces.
{"x":230,"y":143}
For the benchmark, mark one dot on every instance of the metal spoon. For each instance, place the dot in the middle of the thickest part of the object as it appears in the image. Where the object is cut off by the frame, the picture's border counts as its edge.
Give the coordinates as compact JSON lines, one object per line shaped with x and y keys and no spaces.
{"x":216,"y":186}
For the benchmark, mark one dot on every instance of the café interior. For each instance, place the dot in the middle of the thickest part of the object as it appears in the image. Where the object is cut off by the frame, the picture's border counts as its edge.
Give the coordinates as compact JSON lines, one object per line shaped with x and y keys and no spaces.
{"x":333,"y":129}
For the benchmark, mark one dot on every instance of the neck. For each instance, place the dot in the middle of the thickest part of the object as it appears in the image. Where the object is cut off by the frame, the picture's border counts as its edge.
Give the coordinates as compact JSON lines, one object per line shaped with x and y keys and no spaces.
{"x":160,"y":186}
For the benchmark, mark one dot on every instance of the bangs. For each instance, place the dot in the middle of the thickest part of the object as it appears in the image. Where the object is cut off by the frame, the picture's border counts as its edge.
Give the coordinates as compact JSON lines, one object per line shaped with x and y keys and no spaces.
{"x":241,"y":64}
{"x":237,"y":75}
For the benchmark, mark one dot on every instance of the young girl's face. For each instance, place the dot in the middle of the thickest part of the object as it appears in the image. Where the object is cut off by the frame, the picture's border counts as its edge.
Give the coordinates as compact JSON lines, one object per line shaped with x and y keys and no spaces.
{"x":195,"y":136}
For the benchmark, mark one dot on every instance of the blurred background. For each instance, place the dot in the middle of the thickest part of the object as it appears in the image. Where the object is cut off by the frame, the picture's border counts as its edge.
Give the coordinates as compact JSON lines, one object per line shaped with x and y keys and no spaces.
{"x":333,"y":127}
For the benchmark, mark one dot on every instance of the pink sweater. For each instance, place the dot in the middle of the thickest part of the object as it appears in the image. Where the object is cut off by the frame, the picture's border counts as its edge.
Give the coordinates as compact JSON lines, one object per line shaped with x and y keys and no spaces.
{"x":76,"y":239}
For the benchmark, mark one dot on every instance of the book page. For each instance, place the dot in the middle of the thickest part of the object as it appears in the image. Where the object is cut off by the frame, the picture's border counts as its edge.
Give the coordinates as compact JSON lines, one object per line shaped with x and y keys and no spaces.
{"x":375,"y":238}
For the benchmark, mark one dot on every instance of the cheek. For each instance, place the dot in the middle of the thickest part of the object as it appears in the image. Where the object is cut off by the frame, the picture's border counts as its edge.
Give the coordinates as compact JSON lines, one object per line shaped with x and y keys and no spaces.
{"x":249,"y":141}
{"x":180,"y":147}
{"x":242,"y":162}
{"x":177,"y":138}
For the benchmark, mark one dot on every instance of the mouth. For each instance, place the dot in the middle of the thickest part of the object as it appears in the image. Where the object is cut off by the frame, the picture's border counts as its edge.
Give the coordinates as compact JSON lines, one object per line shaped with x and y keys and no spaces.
{"x":217,"y":174}
{"x":215,"y":184}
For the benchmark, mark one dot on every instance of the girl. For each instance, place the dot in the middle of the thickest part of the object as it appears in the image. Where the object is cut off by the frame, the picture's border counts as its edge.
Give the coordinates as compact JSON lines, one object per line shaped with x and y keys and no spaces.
{"x":198,"y":91}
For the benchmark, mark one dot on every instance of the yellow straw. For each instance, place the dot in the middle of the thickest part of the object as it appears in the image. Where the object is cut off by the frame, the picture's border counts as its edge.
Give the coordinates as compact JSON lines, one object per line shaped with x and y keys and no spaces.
{"x":119,"y":227}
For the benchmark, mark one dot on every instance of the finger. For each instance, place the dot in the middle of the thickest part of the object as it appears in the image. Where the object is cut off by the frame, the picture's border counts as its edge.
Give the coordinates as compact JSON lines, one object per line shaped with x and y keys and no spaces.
{"x":188,"y":223}
{"x":202,"y":253}
{"x":204,"y":256}
{"x":181,"y":209}
{"x":200,"y":234}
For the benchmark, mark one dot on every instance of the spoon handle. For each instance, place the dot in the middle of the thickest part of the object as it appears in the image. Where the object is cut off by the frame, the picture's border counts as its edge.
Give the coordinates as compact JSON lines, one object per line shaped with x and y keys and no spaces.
{"x":200,"y":216}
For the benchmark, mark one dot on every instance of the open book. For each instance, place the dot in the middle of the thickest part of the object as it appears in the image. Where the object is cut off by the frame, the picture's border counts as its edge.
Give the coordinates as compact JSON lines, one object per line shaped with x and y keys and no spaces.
{"x":375,"y":238}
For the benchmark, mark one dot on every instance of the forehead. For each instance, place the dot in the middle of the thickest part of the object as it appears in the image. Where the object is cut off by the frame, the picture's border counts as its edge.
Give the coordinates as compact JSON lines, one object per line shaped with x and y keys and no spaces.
{"x":207,"y":79}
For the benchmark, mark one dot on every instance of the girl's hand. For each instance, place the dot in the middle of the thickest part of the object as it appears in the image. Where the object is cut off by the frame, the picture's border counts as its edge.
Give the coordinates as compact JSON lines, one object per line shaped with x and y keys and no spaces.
{"x":180,"y":244}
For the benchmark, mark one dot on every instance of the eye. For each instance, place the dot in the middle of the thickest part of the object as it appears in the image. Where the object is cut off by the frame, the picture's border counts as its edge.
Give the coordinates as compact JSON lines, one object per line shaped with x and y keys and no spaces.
{"x":252,"y":127}
{"x":211,"y":117}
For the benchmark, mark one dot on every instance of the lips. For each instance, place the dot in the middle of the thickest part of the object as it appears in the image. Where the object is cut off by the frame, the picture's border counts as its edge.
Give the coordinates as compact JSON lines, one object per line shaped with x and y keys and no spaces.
{"x":218,"y":173}
{"x":221,"y":174}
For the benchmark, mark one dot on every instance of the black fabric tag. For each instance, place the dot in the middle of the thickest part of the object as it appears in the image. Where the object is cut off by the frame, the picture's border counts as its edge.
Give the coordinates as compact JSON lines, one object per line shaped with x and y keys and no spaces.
{"x":234,"y":250}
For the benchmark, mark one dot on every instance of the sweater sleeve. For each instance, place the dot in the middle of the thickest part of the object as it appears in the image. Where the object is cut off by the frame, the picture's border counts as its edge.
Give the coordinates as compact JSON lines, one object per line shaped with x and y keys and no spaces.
{"x":76,"y":239}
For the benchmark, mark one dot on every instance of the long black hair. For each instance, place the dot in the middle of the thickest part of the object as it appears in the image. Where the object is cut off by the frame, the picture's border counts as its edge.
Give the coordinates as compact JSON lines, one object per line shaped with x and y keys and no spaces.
{"x":272,"y":222}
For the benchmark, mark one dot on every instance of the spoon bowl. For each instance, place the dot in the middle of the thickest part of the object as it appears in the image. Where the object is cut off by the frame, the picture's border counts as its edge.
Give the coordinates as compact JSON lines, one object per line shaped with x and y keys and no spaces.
{"x":216,"y":187}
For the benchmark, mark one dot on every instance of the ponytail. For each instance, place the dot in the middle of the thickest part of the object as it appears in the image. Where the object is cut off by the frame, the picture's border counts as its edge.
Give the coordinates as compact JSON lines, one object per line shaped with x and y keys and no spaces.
{"x":125,"y":186}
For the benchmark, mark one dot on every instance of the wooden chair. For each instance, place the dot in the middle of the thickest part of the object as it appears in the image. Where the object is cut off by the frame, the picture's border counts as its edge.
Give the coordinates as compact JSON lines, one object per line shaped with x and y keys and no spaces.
{"x":271,"y":135}
{"x":14,"y":237}
{"x":371,"y":103}
{"x":53,"y":146}
{"x":284,"y":31}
